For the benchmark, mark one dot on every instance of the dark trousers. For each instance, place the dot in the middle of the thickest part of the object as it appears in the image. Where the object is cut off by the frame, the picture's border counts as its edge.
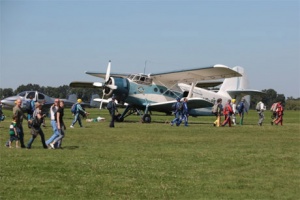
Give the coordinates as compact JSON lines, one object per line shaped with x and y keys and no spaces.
{"x":34,"y":133}
{"x":112,"y":121}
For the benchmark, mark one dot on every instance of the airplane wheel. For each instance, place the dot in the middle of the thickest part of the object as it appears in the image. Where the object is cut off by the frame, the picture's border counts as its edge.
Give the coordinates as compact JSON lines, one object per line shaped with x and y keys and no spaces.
{"x":119,"y":118}
{"x":146,"y":118}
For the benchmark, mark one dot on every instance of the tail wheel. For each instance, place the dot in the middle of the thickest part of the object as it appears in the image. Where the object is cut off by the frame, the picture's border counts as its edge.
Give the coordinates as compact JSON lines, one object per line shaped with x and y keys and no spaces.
{"x":146,"y":118}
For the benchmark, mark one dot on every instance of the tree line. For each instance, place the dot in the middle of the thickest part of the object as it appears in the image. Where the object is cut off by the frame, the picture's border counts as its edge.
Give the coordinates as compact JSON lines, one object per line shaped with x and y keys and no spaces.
{"x":269,"y":97}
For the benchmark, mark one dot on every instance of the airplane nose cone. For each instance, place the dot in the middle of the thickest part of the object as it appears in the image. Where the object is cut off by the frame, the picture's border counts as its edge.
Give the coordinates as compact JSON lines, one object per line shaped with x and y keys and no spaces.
{"x":10,"y":101}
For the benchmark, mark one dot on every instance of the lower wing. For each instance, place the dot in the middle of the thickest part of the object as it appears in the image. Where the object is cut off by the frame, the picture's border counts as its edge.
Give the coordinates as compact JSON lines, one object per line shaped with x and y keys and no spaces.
{"x":192,"y":103}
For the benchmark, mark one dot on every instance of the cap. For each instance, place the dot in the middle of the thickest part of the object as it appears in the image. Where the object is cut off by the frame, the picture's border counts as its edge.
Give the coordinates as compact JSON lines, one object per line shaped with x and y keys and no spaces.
{"x":79,"y":100}
{"x":178,"y":99}
{"x":233,"y":100}
{"x":113,"y":96}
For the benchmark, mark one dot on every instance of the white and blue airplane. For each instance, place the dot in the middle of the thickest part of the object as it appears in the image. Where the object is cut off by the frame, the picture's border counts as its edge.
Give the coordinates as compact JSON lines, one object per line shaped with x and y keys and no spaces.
{"x":157,"y":92}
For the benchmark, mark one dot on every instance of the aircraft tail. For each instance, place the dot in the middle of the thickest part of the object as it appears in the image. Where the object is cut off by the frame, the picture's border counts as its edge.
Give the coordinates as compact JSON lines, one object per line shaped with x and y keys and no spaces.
{"x":72,"y":98}
{"x":93,"y":103}
{"x":238,"y":87}
{"x":235,"y":83}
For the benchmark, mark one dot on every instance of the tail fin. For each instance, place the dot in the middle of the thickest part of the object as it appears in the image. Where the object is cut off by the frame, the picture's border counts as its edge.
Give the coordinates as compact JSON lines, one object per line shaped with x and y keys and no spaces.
{"x":238,"y":87}
{"x":94,"y":104}
{"x":72,"y":98}
{"x":236,"y":83}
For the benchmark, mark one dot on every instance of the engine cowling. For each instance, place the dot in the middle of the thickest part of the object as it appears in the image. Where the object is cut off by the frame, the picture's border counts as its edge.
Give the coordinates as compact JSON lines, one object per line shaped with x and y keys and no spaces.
{"x":122,"y":90}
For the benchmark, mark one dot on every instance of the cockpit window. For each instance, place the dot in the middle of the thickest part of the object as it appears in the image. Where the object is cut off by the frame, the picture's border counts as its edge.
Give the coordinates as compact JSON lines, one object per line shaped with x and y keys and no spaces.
{"x":140,"y":78}
{"x":22,"y":94}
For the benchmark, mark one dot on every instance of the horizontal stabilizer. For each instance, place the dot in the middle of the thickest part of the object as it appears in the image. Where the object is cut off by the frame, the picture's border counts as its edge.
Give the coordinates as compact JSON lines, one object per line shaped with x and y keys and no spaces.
{"x":78,"y":84}
{"x":234,"y":93}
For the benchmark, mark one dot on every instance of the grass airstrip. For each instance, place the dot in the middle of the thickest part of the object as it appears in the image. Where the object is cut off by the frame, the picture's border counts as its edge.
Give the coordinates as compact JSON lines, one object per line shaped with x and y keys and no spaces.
{"x":157,"y":161}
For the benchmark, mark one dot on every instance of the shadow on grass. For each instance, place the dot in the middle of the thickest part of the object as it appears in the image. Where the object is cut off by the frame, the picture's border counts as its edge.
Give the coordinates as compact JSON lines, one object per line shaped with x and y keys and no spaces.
{"x":70,"y":147}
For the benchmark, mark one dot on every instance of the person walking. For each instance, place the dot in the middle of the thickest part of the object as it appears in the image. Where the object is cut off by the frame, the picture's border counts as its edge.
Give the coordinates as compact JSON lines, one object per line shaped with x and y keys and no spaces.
{"x":227,"y":111}
{"x":260,"y":108}
{"x":36,"y":126}
{"x":112,"y":108}
{"x":185,"y":112}
{"x":241,"y":110}
{"x":234,"y":111}
{"x":77,"y":114}
{"x":177,"y":112}
{"x":218,"y":113}
{"x":60,"y":126}
{"x":279,"y":111}
{"x":13,"y":133}
{"x":53,"y":110}
{"x":18,"y":113}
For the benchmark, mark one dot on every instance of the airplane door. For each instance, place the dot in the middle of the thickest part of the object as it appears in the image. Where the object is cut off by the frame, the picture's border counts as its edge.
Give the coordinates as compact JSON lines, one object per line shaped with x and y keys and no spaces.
{"x":31,"y":94}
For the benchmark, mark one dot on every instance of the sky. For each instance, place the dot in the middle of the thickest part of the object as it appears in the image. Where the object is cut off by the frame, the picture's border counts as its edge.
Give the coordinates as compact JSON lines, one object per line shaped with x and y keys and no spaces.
{"x":52,"y":43}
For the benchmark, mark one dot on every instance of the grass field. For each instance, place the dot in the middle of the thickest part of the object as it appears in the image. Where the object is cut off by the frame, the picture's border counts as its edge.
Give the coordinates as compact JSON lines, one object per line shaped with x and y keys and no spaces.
{"x":157,"y":161}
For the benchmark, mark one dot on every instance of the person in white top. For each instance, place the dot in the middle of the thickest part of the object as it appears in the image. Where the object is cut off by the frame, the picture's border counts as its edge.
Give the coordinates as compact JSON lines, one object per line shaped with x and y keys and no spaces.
{"x":233,"y":105}
{"x":260,"y":112}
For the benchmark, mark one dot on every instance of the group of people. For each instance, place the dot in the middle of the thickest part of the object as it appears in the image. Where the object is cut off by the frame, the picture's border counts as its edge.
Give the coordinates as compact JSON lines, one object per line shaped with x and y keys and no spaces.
{"x":35,"y":120}
{"x":181,"y":112}
{"x":231,"y":110}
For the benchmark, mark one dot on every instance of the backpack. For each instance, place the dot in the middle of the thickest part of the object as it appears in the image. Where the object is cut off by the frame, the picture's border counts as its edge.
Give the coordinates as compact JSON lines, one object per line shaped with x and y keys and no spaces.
{"x":273,"y":107}
{"x":240,"y":107}
{"x":74,"y":108}
{"x":214,"y":109}
{"x":258,"y":106}
{"x":173,"y":106}
{"x":180,"y":107}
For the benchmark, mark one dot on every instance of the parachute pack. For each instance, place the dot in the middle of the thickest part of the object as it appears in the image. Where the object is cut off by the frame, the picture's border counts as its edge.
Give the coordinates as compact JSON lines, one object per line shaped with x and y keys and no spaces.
{"x":258,"y":106}
{"x":214,"y":109}
{"x":74,"y":108}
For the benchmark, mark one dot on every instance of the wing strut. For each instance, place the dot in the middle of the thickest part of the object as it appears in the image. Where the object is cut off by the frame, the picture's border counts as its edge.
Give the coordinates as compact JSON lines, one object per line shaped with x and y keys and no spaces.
{"x":191,"y":90}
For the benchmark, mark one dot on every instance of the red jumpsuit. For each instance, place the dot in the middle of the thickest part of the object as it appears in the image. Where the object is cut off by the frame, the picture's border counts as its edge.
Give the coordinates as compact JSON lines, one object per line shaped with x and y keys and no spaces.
{"x":227,"y":111}
{"x":279,"y":112}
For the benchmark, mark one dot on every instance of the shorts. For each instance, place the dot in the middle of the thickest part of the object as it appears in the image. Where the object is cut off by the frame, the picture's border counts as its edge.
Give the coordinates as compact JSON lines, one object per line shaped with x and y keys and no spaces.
{"x":13,"y":138}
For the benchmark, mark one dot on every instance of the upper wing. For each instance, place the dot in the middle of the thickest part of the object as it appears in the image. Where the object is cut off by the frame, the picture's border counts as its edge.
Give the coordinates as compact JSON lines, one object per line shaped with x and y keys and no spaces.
{"x":102,"y":75}
{"x":194,"y":75}
{"x":192,"y":103}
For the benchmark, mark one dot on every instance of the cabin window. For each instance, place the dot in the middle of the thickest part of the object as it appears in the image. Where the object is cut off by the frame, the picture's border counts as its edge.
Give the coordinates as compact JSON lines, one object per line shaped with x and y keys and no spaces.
{"x":161,"y":91}
{"x":41,"y":96}
{"x":155,"y":89}
{"x":30,"y":94}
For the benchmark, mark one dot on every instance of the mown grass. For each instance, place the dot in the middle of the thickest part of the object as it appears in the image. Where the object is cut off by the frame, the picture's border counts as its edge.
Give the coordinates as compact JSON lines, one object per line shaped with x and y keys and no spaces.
{"x":157,"y":161}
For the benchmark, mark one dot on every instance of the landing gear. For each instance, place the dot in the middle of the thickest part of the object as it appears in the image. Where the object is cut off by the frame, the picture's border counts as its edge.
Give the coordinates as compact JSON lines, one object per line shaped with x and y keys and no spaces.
{"x":119,"y":118}
{"x":146,"y":118}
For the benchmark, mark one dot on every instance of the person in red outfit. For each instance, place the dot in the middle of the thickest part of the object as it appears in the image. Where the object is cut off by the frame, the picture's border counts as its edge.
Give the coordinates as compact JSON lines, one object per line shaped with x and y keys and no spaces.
{"x":227,"y":111}
{"x":279,"y":112}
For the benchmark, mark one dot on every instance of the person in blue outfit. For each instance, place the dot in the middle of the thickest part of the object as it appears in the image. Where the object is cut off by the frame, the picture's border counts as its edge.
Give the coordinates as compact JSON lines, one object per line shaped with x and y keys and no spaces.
{"x":184,"y":113}
{"x":77,"y":114}
{"x":177,"y":112}
{"x":242,"y":109}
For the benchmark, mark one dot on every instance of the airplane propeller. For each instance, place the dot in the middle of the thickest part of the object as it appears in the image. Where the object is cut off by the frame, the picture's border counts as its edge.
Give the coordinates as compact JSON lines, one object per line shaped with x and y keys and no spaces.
{"x":107,"y":84}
